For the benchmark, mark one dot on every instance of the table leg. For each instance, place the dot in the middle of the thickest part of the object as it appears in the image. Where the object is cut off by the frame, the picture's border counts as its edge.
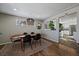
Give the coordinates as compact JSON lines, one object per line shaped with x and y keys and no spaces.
{"x":22,"y":44}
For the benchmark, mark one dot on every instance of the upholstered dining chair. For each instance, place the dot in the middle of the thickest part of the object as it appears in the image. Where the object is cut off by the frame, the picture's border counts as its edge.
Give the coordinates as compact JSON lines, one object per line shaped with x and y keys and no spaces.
{"x":37,"y":38}
{"x":27,"y":39}
{"x":33,"y":35}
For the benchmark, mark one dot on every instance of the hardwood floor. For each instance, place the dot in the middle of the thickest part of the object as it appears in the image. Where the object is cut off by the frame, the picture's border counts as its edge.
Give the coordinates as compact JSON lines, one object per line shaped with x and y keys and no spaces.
{"x":54,"y":51}
{"x":58,"y":49}
{"x":1,"y":46}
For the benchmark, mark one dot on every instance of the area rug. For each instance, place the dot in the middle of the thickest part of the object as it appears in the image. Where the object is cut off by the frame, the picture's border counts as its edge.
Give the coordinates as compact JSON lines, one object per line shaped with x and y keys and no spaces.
{"x":8,"y":50}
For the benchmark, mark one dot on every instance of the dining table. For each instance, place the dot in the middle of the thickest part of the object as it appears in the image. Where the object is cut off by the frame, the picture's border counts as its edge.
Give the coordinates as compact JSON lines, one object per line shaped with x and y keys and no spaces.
{"x":18,"y":37}
{"x":21,"y":38}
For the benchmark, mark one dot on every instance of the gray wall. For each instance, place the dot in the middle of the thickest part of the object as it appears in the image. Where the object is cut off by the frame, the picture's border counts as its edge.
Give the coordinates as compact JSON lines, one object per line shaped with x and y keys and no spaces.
{"x":8,"y":27}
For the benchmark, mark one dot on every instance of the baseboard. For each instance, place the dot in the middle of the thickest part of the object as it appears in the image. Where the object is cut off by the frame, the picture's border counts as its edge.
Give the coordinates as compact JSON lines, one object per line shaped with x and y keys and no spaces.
{"x":5,"y":43}
{"x":50,"y":40}
{"x":43,"y":38}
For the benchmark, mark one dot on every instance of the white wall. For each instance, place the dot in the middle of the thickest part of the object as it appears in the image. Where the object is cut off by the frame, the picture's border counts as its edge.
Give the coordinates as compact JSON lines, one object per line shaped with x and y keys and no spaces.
{"x":68,"y":20}
{"x":70,"y":11}
{"x":8,"y":27}
{"x":52,"y":35}
{"x":76,"y":34}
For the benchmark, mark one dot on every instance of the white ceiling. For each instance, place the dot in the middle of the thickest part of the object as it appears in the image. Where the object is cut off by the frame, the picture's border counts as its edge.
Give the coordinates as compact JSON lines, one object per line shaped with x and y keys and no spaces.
{"x":35,"y":10}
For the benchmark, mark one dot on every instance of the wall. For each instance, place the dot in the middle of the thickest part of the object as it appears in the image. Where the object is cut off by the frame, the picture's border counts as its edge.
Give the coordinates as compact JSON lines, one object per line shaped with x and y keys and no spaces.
{"x":8,"y":27}
{"x":52,"y":35}
{"x":67,"y":21}
{"x":76,"y":34}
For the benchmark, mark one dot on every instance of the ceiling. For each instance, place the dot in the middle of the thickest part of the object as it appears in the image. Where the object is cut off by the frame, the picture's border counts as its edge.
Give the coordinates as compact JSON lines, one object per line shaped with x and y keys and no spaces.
{"x":35,"y":10}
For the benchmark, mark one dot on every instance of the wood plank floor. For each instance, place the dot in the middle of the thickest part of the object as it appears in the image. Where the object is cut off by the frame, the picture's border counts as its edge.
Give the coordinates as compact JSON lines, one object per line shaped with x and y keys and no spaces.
{"x":61,"y":49}
{"x":58,"y":49}
{"x":54,"y":51}
{"x":1,"y":46}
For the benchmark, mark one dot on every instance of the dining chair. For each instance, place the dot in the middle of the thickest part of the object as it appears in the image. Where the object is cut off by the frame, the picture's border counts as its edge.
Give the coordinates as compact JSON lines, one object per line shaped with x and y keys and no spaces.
{"x":25,"y":33}
{"x":27,"y":39}
{"x":32,"y":35}
{"x":37,"y":38}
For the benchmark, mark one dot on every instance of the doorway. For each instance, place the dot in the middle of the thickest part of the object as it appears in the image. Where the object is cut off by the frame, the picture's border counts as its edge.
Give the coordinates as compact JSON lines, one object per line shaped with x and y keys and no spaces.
{"x":67,"y":28}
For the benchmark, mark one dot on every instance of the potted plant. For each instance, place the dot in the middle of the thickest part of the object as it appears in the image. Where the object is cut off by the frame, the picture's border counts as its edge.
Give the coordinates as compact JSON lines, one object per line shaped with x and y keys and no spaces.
{"x":39,"y":26}
{"x":51,"y":25}
{"x":60,"y":27}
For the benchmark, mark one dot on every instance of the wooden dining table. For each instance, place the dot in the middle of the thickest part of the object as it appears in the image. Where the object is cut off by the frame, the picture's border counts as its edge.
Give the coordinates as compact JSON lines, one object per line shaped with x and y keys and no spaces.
{"x":18,"y":37}
{"x":21,"y":39}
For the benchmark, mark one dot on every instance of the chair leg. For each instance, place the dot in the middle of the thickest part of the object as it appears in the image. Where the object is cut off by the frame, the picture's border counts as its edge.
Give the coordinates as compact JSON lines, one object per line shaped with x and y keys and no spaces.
{"x":31,"y":45}
{"x":40,"y":41}
{"x":22,"y":46}
{"x":13,"y":44}
{"x":35,"y":43}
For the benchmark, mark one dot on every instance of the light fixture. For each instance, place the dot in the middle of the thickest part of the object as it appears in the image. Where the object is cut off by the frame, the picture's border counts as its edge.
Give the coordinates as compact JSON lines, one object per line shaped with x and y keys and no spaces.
{"x":14,"y":9}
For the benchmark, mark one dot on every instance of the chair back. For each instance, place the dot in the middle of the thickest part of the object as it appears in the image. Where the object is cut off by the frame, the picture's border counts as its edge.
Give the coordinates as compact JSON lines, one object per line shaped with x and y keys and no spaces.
{"x":38,"y":36}
{"x":27,"y":38}
{"x":25,"y":33}
{"x":32,"y":33}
